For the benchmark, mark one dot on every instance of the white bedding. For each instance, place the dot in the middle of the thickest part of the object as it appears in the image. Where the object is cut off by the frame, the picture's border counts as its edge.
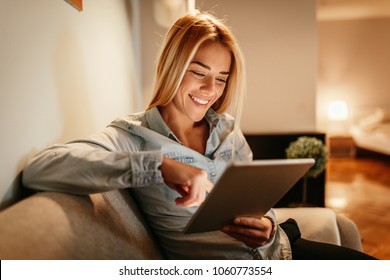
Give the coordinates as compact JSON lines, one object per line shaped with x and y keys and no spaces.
{"x":373,"y":132}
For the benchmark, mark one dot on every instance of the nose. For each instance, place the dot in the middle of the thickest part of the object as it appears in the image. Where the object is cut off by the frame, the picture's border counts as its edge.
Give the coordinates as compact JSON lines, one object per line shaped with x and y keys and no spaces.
{"x":208,"y":86}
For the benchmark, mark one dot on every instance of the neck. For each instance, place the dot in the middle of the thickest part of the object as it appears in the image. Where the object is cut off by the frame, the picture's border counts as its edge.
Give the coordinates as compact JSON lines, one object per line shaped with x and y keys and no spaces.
{"x":191,"y":134}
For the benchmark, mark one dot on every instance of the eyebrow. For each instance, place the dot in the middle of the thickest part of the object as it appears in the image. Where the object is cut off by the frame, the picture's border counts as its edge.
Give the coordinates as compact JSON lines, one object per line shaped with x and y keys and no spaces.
{"x":209,"y":68}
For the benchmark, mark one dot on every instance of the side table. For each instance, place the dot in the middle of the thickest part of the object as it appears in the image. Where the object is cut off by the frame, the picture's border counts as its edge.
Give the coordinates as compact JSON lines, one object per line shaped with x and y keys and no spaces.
{"x":341,"y":146}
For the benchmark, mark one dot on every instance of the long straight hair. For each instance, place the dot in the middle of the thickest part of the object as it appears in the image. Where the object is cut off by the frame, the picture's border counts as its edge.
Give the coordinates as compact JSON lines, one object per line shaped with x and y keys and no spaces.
{"x":179,"y":47}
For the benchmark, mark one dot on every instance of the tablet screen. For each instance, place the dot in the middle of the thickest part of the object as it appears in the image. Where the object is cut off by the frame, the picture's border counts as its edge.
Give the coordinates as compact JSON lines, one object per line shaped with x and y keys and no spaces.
{"x":247,"y":189}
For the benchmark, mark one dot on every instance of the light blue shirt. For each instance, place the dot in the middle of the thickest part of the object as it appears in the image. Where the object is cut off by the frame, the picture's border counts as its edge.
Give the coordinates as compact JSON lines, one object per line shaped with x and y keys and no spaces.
{"x":127,"y":154}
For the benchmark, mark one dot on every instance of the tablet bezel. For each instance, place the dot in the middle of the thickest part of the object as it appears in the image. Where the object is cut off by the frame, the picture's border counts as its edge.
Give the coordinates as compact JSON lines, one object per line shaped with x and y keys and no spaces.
{"x":230,"y":198}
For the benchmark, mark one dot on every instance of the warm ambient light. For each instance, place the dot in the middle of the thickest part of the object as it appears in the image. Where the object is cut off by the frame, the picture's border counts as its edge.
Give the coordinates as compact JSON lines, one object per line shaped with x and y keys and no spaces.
{"x":167,"y":11}
{"x":338,"y":110}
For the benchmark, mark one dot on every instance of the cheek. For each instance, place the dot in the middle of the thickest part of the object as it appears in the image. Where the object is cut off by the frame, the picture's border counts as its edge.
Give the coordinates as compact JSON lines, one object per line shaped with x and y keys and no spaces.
{"x":185,"y":85}
{"x":218,"y":97}
{"x":220,"y":91}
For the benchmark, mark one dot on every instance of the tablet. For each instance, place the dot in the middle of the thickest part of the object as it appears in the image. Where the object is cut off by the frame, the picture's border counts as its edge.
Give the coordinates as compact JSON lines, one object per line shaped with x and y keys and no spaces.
{"x":247,"y":189}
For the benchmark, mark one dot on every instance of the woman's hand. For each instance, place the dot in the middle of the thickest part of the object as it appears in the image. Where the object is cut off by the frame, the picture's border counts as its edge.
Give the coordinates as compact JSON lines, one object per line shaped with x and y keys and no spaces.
{"x":189,"y":181}
{"x":254,"y":232}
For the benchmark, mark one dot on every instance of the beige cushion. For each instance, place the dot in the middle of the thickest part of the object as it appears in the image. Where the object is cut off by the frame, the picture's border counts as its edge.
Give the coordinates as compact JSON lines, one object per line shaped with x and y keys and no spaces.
{"x":60,"y":226}
{"x":317,"y":224}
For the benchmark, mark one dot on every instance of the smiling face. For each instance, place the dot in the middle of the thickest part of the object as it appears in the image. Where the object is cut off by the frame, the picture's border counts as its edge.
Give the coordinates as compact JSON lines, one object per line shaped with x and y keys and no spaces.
{"x":203,"y":83}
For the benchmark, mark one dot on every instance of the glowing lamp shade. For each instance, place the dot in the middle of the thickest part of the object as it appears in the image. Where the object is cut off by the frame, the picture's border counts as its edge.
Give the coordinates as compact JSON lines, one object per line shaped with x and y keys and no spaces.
{"x":338,"y":110}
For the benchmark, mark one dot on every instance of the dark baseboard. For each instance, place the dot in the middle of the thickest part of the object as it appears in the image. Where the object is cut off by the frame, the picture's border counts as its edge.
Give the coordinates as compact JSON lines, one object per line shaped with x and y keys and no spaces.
{"x":364,"y":153}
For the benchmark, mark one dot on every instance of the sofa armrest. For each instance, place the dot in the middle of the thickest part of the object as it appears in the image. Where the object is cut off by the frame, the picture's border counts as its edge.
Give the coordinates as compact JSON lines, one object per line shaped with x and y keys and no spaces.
{"x":349,"y":233}
{"x":51,"y":225}
{"x":323,"y":225}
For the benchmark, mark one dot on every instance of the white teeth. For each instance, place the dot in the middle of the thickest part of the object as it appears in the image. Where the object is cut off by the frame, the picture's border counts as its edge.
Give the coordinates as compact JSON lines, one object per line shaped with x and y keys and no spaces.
{"x":200,"y":101}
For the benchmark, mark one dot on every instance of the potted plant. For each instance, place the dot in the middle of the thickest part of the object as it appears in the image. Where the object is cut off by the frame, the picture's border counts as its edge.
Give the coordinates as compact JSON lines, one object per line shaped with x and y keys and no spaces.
{"x":308,"y":147}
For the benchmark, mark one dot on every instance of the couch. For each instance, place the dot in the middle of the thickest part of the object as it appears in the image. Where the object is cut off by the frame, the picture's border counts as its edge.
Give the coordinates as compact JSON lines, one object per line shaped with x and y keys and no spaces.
{"x":52,"y":225}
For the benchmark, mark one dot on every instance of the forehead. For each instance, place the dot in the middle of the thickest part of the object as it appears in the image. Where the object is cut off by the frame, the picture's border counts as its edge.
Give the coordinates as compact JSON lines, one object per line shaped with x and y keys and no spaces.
{"x":215,"y":55}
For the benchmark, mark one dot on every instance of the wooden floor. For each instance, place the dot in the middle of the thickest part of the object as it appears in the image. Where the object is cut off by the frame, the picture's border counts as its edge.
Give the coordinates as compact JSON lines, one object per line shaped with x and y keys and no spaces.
{"x":359,"y":188}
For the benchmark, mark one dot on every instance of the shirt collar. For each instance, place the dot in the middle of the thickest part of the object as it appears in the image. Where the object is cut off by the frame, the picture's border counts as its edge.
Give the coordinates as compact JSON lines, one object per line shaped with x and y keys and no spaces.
{"x":212,"y":118}
{"x":157,"y":124}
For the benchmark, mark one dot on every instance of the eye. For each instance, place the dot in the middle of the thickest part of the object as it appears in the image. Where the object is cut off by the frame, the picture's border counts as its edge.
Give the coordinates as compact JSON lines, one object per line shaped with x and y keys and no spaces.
{"x":198,"y":74}
{"x":221,"y":80}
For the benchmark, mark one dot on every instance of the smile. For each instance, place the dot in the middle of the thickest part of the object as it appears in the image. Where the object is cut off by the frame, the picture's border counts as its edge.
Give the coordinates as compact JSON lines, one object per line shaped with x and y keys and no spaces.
{"x":200,"y":100}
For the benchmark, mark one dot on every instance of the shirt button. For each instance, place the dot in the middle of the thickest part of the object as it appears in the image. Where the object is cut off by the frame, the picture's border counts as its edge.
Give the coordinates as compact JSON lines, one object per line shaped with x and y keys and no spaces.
{"x":213,"y":174}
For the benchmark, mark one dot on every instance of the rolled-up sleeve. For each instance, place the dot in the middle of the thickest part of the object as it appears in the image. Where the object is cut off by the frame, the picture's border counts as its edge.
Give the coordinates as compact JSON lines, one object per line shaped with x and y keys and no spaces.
{"x":145,"y":169}
{"x":86,"y":167}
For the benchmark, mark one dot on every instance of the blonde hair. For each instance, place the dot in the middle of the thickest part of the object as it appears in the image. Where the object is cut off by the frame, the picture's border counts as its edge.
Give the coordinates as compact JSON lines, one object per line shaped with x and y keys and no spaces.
{"x":179,"y":47}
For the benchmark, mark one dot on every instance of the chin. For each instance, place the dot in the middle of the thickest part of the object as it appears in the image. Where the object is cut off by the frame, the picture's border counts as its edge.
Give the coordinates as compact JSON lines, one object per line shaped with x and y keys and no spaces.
{"x":199,"y":116}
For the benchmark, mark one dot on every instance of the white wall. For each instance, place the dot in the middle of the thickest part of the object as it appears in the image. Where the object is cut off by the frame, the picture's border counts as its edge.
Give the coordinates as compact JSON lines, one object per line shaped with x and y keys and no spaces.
{"x":155,"y":17}
{"x":279,"y":41}
{"x":63,"y":74}
{"x":151,"y":38}
{"x":354,"y":65}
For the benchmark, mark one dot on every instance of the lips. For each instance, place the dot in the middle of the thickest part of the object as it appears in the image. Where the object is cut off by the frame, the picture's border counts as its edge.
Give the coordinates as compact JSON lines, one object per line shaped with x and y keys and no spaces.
{"x":200,"y":101}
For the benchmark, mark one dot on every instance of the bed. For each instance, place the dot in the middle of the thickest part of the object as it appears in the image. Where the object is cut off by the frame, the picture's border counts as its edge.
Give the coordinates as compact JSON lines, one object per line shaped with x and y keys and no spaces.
{"x":372,"y":133}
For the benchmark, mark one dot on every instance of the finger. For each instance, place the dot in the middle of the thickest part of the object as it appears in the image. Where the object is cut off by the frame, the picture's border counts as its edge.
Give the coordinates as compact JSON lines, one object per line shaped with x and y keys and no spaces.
{"x":182,"y":190}
{"x":209,"y":187}
{"x":249,"y":241}
{"x":243,"y":230}
{"x":183,"y":200}
{"x":186,"y":202}
{"x":192,"y":198}
{"x":250,"y":222}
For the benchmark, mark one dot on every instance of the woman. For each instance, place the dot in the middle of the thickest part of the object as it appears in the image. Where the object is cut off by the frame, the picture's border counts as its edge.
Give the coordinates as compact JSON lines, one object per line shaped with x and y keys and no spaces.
{"x":171,"y":155}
